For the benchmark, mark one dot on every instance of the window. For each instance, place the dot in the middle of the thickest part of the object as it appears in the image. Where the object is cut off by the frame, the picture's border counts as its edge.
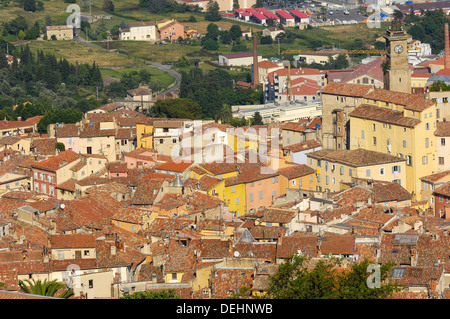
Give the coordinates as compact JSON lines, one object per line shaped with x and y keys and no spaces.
{"x":251,"y":197}
{"x":274,"y":194}
{"x":382,"y":171}
{"x":86,"y":253}
{"x":441,"y":160}
{"x":327,"y":179}
{"x":427,"y":142}
{"x":261,"y":195}
{"x":333,"y":181}
{"x":232,"y":189}
{"x":409,"y":160}
{"x":362,"y":134}
{"x":350,"y":172}
{"x":293,"y":182}
{"x":237,"y":201}
{"x":404,"y":143}
{"x":373,"y":127}
{"x":367,"y":172}
{"x":443,"y":141}
{"x":424,"y":159}
{"x":427,"y":126}
{"x":326,"y":166}
{"x":374,"y":141}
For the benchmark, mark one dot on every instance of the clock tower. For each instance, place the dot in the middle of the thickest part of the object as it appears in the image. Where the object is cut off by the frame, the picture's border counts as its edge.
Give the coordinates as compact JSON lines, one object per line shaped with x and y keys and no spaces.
{"x":397,"y":75}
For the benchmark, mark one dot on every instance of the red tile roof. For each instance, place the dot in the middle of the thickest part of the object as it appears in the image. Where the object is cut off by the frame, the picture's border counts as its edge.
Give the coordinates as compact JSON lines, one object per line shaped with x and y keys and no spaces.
{"x":173,"y":166}
{"x":384,"y":115}
{"x":56,"y":162}
{"x":266,"y":64}
{"x":284,"y":14}
{"x":346,"y":89}
{"x":435,"y":177}
{"x":442,"y":129}
{"x":302,"y":146}
{"x":72,"y":241}
{"x":414,"y":102}
{"x":358,"y":157}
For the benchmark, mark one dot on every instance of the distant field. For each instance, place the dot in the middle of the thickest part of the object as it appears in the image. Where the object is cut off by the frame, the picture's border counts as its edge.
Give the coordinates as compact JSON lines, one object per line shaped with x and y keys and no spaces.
{"x":152,"y":52}
{"x":157,"y":75}
{"x":74,"y":51}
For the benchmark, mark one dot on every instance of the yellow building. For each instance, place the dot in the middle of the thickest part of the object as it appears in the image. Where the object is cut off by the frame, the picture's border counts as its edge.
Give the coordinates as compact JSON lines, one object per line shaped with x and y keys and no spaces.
{"x":233,"y":194}
{"x":297,"y":176}
{"x":400,"y":124}
{"x":335,"y":168}
{"x":144,"y":133}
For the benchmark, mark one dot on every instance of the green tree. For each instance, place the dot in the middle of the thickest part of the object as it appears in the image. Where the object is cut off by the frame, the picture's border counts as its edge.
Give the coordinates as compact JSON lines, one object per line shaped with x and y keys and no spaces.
{"x":235,"y":32}
{"x":398,"y":14}
{"x":212,"y":31}
{"x":257,"y":119}
{"x":236,"y":4}
{"x":293,"y":280}
{"x":177,"y":108}
{"x":29,"y":5}
{"x":165,"y":294}
{"x":60,"y":147}
{"x":258,"y":4}
{"x":210,"y":45}
{"x":439,"y":86}
{"x":108,"y":6}
{"x":45,"y":288}
{"x":212,"y":11}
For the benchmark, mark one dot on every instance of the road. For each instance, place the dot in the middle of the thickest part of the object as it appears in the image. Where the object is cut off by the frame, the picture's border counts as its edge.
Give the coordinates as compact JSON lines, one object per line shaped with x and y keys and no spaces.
{"x":169,"y":69}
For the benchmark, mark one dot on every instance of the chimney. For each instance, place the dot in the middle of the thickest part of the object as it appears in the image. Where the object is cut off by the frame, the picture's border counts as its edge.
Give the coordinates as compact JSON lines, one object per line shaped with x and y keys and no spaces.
{"x":447,"y":48}
{"x":255,"y":63}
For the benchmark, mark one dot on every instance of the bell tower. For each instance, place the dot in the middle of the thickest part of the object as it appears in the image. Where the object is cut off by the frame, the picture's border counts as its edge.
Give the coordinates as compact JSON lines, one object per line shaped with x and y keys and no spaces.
{"x":397,"y":75}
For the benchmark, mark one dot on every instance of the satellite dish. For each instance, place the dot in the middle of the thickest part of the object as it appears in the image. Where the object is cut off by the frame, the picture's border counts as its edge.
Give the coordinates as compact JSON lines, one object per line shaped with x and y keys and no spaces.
{"x":62,"y":206}
{"x":237,"y":254}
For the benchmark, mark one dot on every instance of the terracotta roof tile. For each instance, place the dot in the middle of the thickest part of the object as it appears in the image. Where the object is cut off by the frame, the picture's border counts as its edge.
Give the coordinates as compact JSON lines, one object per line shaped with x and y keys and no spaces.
{"x":435,"y":177}
{"x":72,"y":241}
{"x":385,"y":115}
{"x":357,"y":157}
{"x":442,"y":129}
{"x":414,"y":102}
{"x":346,"y":89}
{"x":296,"y":171}
{"x":55,"y":162}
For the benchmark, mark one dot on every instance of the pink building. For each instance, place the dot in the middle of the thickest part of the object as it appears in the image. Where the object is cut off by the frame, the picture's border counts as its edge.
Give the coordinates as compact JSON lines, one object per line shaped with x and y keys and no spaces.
{"x":141,"y":157}
{"x":172,"y":31}
{"x":68,"y":134}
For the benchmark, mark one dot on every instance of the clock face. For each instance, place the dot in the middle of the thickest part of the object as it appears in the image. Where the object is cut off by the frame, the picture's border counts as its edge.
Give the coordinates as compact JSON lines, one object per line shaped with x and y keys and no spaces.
{"x":398,"y":49}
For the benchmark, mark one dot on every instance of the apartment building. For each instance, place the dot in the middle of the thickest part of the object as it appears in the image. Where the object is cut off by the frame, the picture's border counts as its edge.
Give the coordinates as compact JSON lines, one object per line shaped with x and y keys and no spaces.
{"x":337,"y":167}
{"x":399,"y":124}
